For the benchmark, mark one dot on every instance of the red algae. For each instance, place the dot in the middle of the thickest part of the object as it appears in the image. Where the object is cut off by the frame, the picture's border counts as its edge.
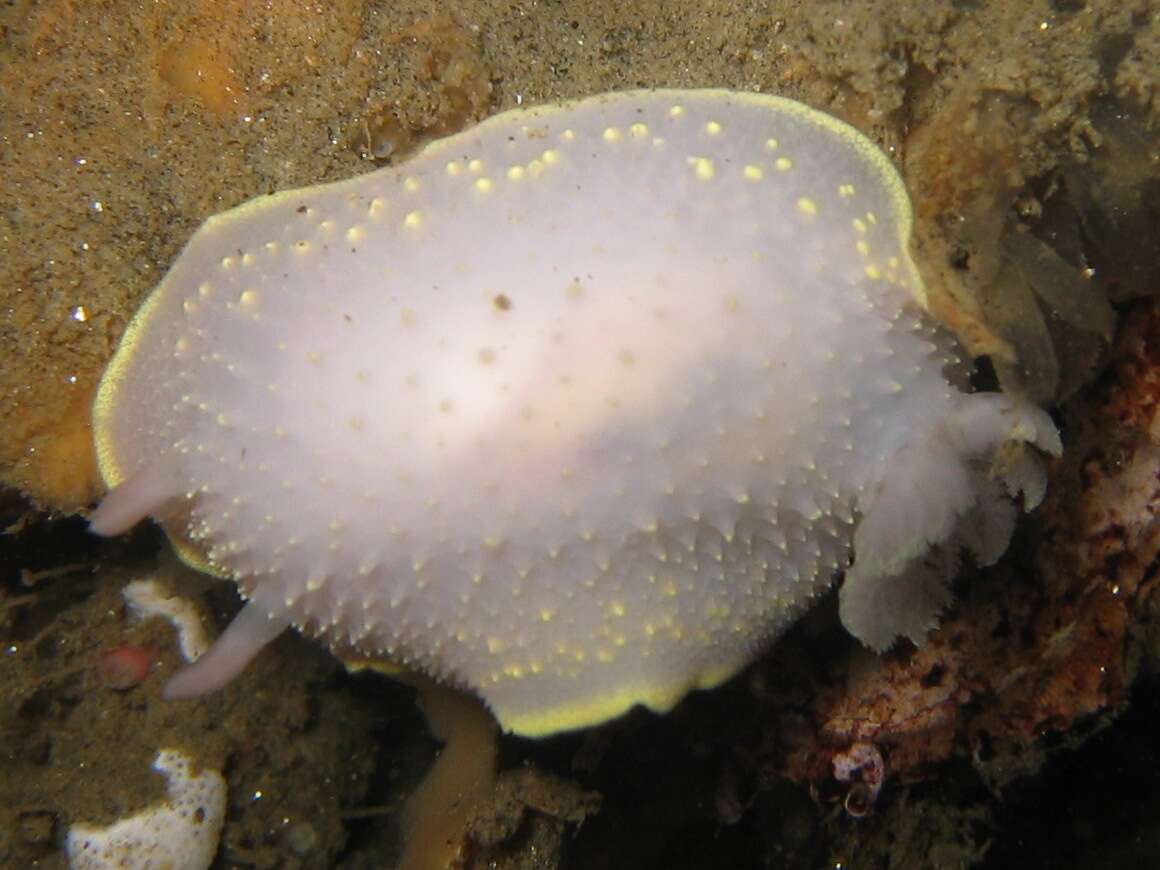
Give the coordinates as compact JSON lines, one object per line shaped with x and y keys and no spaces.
{"x":124,"y":667}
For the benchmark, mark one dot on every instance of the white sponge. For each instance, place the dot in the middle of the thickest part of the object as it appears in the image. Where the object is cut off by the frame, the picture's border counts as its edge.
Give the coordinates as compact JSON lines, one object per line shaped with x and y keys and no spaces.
{"x":149,"y":598}
{"x":181,"y":833}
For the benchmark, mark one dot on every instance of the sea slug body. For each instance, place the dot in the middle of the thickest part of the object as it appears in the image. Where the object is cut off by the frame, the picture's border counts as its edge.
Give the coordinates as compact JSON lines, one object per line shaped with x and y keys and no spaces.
{"x":577,"y":409}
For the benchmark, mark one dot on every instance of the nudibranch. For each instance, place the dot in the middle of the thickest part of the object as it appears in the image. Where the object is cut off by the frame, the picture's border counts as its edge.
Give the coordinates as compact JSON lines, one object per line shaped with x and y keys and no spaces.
{"x":577,"y":409}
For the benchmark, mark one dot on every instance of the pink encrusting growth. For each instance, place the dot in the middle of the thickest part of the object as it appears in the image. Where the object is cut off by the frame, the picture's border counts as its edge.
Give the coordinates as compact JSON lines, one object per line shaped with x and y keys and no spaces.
{"x":861,"y":765}
{"x":578,"y":409}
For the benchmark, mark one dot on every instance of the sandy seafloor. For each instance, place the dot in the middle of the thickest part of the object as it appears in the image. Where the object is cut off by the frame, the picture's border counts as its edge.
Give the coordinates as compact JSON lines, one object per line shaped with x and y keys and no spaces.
{"x":1022,"y":735}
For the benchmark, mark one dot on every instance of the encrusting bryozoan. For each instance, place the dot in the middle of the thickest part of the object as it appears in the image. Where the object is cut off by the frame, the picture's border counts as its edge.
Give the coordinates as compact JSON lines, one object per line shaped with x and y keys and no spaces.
{"x":577,"y":409}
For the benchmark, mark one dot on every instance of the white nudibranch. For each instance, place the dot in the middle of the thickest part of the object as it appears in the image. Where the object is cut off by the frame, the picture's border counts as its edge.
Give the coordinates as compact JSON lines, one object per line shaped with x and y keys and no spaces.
{"x":577,"y":409}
